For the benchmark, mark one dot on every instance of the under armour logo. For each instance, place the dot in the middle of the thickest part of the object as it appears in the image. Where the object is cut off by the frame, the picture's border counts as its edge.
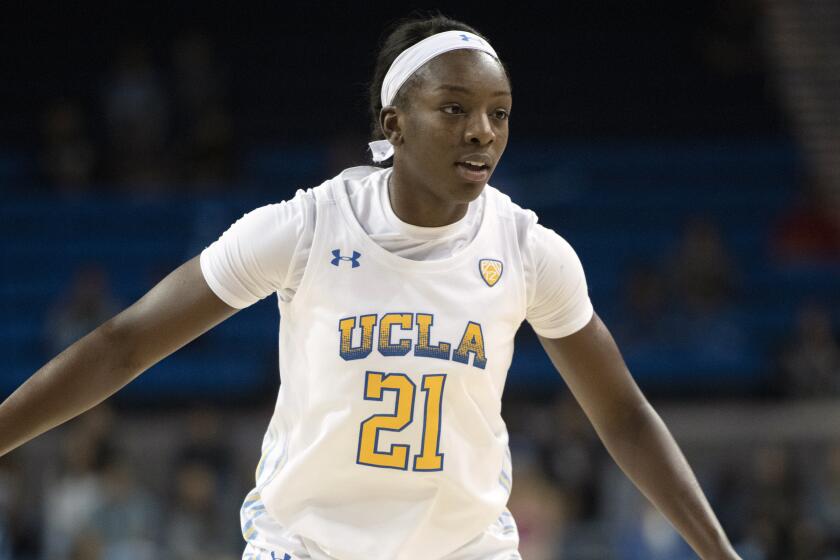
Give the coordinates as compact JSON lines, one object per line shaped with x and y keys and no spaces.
{"x":466,"y":38}
{"x":338,"y":258}
{"x":285,"y":557}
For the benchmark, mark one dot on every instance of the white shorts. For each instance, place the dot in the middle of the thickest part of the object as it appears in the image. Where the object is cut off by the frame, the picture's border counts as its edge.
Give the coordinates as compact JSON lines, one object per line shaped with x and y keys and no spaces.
{"x":500,"y":541}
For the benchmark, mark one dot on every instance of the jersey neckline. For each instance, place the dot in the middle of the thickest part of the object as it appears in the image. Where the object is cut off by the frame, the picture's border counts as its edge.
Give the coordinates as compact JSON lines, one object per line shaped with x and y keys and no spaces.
{"x":420,"y":232}
{"x":341,"y":196}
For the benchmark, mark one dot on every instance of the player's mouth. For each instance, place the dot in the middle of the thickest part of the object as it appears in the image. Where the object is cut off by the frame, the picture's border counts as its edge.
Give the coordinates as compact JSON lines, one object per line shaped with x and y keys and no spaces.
{"x":474,"y":169}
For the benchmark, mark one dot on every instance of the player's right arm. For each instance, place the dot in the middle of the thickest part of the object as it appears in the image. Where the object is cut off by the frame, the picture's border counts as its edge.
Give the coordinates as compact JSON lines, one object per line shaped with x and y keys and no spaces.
{"x":177,"y":310}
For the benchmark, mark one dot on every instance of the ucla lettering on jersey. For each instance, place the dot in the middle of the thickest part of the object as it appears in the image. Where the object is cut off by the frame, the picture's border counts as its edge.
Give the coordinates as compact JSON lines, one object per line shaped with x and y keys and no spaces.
{"x":472,"y":342}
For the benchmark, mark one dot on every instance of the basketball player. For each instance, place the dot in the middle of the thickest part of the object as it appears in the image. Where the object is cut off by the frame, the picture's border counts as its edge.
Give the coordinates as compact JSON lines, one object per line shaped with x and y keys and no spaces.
{"x":400,"y":288}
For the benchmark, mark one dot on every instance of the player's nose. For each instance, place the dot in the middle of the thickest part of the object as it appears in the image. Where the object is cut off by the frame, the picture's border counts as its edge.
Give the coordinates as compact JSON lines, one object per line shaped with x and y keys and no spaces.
{"x":479,"y":130}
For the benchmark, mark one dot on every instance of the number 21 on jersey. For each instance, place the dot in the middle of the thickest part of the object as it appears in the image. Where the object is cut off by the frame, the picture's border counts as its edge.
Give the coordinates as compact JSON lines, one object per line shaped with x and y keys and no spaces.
{"x":430,"y":458}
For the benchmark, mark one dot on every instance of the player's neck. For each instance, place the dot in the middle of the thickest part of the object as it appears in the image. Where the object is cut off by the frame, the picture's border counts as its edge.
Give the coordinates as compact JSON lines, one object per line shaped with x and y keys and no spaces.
{"x":417,"y":205}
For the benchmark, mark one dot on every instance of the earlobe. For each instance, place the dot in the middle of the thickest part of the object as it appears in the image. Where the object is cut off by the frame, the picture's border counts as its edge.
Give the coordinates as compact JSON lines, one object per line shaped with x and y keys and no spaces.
{"x":390,"y":124}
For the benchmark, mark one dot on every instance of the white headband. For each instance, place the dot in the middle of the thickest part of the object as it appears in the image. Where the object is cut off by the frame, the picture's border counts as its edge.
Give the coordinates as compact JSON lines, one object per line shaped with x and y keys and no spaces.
{"x":410,"y":60}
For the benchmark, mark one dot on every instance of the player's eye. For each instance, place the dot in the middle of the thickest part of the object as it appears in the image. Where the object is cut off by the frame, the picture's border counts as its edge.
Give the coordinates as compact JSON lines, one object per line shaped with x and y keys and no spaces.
{"x":452,"y":109}
{"x":501,"y":114}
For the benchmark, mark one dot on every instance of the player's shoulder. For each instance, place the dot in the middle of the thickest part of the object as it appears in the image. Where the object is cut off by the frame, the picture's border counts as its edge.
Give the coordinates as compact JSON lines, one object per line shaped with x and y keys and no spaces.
{"x":522,"y":219}
{"x":535,"y":240}
{"x":294,"y":209}
{"x":307,"y":204}
{"x":349,"y":182}
{"x":304,"y":204}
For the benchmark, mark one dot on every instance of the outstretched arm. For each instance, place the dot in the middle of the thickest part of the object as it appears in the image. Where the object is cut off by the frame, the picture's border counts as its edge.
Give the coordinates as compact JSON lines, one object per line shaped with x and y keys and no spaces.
{"x":635,"y":435}
{"x":177,"y":310}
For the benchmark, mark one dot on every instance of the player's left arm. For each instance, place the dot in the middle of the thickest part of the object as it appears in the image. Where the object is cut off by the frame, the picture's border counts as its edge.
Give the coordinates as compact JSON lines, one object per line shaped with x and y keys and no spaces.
{"x":634,"y":434}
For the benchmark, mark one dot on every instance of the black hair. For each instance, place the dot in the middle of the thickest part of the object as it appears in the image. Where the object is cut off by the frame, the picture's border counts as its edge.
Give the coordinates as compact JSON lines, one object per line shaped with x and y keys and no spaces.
{"x":403,"y":34}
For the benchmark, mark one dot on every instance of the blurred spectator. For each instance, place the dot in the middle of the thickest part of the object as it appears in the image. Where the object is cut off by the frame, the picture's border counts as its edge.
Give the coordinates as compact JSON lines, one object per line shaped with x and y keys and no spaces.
{"x":773,"y":487}
{"x":810,"y":361}
{"x":196,"y":529}
{"x":203,"y":125}
{"x":760,"y":540}
{"x":572,"y":452}
{"x":540,"y":512}
{"x":199,"y":81}
{"x":645,"y":325}
{"x":810,"y":231}
{"x":75,"y":491}
{"x":16,"y":531}
{"x":127,"y":520}
{"x":206,"y":154}
{"x":651,"y":537}
{"x":769,"y":491}
{"x":68,"y":157}
{"x":822,"y":504}
{"x":705,"y":334}
{"x":137,"y":118}
{"x":652,"y":329}
{"x":87,"y":546}
{"x":702,"y":270}
{"x":87,"y":304}
{"x":732,"y":503}
{"x":204,"y":439}
{"x":808,"y":541}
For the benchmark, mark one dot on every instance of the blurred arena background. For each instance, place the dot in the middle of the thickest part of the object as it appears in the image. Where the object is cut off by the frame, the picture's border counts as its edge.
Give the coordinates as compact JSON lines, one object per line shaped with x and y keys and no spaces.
{"x":690,"y":152}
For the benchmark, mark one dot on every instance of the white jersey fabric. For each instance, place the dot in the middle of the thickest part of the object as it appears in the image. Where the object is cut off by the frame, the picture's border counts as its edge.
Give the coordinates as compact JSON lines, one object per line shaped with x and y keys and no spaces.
{"x":387,"y":441}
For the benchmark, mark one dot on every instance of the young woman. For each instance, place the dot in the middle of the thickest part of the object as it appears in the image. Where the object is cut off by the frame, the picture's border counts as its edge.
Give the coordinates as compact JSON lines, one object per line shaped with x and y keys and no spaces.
{"x":401,"y":287}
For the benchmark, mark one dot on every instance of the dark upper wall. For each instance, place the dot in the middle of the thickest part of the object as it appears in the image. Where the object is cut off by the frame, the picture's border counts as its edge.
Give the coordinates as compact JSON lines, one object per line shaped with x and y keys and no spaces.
{"x":299,"y":71}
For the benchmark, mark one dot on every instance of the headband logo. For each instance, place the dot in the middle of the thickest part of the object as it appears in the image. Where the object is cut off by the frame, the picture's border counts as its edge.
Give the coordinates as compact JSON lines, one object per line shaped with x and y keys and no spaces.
{"x":466,"y":38}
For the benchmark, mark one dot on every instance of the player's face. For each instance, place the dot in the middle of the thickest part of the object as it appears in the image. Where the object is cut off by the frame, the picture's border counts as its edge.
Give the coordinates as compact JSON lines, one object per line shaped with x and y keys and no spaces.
{"x":456,"y":117}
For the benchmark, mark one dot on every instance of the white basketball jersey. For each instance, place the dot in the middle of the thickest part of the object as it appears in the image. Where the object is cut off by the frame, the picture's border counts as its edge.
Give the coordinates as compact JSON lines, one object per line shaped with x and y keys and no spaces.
{"x":387,"y":442}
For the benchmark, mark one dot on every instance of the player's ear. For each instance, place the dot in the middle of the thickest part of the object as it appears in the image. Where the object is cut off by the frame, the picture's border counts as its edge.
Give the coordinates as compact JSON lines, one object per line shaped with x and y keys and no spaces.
{"x":389,"y":121}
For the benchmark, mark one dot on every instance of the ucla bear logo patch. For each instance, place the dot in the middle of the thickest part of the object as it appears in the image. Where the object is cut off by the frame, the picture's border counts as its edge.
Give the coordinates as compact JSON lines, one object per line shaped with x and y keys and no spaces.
{"x":491,"y":270}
